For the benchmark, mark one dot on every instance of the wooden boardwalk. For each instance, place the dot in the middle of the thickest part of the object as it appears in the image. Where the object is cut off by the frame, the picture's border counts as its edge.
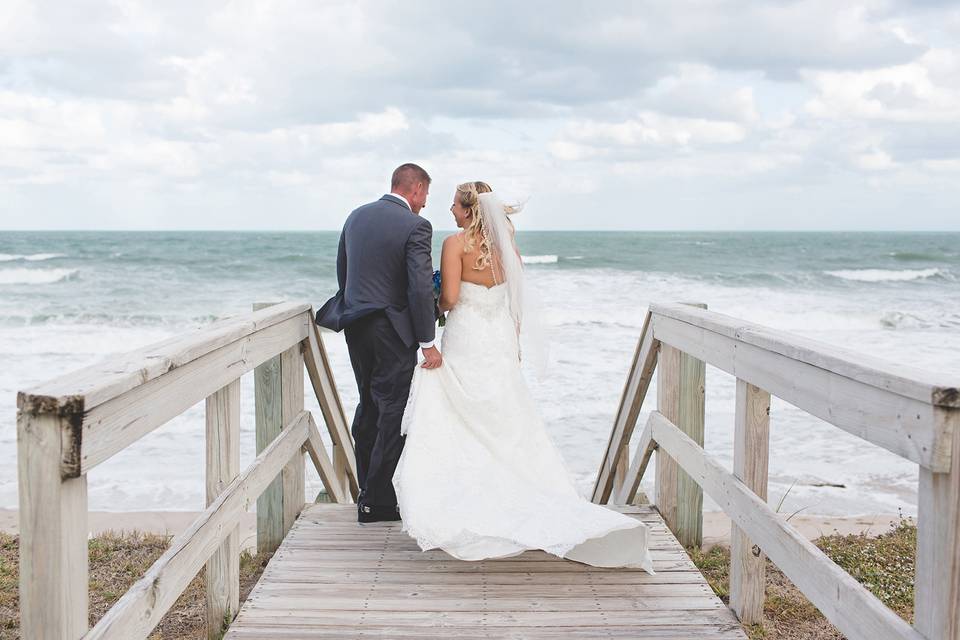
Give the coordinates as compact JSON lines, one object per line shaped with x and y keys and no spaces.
{"x":331,"y":577}
{"x":334,"y":578}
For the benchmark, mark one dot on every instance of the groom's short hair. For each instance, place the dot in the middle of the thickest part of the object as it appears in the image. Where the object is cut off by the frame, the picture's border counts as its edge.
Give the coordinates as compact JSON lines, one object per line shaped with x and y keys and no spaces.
{"x":408,"y":175}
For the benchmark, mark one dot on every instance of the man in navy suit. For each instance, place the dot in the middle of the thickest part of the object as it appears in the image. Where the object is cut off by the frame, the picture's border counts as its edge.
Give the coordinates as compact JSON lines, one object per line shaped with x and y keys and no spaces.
{"x":385,"y":307}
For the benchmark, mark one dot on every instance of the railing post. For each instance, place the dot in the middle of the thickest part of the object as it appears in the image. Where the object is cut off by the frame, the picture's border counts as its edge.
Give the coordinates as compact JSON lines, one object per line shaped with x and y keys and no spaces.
{"x":266,"y":387}
{"x":751,"y":450}
{"x":291,"y":404}
{"x":53,"y":531}
{"x":693,"y":374}
{"x":679,"y":497}
{"x":668,"y":403}
{"x":937,"y":593}
{"x":278,"y":391}
{"x":223,"y":465}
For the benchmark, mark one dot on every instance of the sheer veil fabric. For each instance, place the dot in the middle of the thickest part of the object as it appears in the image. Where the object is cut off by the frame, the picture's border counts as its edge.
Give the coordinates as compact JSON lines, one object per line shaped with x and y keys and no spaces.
{"x":525,"y":307}
{"x":479,"y":476}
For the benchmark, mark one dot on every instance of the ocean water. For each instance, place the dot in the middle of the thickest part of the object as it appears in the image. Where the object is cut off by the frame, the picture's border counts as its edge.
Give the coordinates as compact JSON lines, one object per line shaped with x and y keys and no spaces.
{"x":68,"y":299}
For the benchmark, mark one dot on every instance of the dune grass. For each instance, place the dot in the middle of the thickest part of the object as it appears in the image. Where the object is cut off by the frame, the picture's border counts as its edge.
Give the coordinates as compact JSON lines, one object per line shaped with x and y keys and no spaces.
{"x":117,"y":560}
{"x":883,"y":564}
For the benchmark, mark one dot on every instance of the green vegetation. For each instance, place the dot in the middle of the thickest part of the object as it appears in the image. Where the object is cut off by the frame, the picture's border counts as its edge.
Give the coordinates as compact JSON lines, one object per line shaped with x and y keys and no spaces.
{"x":883,"y":564}
{"x":117,"y":560}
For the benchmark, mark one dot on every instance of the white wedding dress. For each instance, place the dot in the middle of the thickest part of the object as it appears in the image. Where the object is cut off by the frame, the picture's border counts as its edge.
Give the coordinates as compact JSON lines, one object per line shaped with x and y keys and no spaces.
{"x":479,"y":477}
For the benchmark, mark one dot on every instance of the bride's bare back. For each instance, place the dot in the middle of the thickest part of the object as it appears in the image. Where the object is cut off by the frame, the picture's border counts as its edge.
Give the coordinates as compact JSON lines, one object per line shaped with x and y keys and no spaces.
{"x":458,"y":265}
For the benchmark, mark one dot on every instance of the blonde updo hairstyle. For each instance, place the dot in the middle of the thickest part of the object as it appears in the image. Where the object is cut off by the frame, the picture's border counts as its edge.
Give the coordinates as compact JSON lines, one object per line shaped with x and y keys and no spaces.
{"x":474,"y":231}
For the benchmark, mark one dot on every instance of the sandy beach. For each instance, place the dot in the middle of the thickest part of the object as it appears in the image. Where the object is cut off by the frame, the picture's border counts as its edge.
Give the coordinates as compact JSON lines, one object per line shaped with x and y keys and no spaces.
{"x":159,"y":522}
{"x":716,"y":525}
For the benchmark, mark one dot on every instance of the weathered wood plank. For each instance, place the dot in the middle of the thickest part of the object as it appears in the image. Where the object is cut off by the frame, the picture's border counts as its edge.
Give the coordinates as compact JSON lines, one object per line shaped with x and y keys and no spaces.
{"x":634,"y":392}
{"x":308,"y":554}
{"x":279,"y":587}
{"x":272,"y":632}
{"x":328,"y":474}
{"x":332,"y":548}
{"x":898,"y":423}
{"x":313,"y":575}
{"x":638,"y":466}
{"x":678,"y":563}
{"x":857,"y":613}
{"x":323,"y":581}
{"x":325,"y":514}
{"x":331,"y":407}
{"x":114,"y":376}
{"x":268,"y":418}
{"x":896,"y":377}
{"x":691,"y":418}
{"x":621,"y":467}
{"x":937,"y":591}
{"x":456,"y":603}
{"x":140,"y":609}
{"x":223,"y":465}
{"x":291,"y":404}
{"x":668,"y":404}
{"x":341,"y":470}
{"x":751,"y":452}
{"x":119,"y":422}
{"x":560,"y":621}
{"x":53,"y":534}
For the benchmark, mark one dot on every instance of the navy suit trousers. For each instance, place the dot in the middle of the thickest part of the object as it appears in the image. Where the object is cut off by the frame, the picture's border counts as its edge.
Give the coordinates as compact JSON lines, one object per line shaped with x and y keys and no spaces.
{"x":383,"y":366}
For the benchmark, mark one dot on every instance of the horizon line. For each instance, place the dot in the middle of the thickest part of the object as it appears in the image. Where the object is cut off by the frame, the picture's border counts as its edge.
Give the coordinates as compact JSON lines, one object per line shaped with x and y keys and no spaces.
{"x":618,"y":230}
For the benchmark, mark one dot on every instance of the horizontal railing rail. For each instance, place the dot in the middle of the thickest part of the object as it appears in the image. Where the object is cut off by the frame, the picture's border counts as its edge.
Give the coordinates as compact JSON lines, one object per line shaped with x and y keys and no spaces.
{"x":70,"y":424}
{"x":867,"y":398}
{"x":910,"y":412}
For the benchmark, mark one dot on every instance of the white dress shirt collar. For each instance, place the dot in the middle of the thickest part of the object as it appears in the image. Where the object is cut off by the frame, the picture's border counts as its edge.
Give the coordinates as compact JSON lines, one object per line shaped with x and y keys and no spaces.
{"x":397,"y":195}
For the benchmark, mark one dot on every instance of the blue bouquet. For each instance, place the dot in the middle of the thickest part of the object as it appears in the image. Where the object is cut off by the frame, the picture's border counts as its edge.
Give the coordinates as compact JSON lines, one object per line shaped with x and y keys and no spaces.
{"x":441,"y":318}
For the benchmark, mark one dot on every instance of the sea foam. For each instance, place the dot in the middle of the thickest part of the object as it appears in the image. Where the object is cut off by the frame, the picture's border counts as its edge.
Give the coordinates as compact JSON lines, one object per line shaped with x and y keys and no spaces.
{"x":34,"y":257}
{"x":35,"y":276}
{"x":549,"y":259}
{"x":884,"y":275}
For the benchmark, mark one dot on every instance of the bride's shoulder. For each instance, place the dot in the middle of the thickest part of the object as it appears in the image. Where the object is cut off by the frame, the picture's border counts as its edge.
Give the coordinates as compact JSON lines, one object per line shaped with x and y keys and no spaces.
{"x":454,"y":241}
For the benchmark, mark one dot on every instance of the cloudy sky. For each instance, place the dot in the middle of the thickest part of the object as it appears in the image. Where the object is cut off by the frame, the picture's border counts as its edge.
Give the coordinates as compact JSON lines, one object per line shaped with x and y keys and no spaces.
{"x":606,"y":115}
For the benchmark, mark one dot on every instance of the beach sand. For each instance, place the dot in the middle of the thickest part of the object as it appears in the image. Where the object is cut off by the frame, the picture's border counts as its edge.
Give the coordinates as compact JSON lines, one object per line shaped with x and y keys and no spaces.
{"x":159,"y":522}
{"x":716,"y":525}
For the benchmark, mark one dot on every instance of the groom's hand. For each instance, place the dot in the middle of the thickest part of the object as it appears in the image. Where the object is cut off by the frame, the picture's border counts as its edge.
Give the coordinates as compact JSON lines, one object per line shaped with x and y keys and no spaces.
{"x":431,"y":358}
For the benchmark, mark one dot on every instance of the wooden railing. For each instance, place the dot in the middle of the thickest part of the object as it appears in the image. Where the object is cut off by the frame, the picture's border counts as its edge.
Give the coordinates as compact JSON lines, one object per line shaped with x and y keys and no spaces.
{"x":905,"y":410}
{"x":67,"y":426}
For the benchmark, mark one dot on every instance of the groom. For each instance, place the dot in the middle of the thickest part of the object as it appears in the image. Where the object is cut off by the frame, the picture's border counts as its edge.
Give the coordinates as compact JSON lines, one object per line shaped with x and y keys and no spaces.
{"x":385,"y":308}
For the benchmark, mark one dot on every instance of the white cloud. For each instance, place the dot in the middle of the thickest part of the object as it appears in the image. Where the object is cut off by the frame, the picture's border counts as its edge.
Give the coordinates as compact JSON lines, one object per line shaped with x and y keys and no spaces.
{"x":927,"y":90}
{"x":201,"y":114}
{"x":651,"y":128}
{"x":875,"y":160}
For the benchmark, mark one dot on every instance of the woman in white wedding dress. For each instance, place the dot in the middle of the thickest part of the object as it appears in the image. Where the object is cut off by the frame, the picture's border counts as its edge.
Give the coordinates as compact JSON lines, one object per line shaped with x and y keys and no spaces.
{"x":479,"y":477}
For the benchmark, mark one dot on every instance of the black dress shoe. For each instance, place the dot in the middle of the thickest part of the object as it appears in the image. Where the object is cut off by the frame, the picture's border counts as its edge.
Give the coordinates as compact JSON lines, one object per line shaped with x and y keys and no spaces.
{"x":371,"y":513}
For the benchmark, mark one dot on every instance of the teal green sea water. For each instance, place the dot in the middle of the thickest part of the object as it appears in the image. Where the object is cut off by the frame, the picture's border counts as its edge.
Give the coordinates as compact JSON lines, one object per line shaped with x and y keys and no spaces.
{"x":70,"y":298}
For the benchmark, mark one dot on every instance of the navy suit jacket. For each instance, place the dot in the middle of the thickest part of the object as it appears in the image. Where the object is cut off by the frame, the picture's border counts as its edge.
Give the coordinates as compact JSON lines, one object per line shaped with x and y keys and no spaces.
{"x":384,"y":264}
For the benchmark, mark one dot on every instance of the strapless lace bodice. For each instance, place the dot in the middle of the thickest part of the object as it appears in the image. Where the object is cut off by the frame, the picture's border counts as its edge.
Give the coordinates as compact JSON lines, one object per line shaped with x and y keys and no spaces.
{"x":479,"y":329}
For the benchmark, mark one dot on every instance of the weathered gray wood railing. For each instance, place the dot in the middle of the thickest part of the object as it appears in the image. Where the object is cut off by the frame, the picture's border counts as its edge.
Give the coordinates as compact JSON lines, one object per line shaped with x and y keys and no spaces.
{"x":71,"y":424}
{"x":904,"y":410}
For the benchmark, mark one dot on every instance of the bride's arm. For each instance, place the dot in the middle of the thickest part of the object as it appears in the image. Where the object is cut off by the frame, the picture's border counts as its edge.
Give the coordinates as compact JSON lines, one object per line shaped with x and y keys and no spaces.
{"x":450,"y":268}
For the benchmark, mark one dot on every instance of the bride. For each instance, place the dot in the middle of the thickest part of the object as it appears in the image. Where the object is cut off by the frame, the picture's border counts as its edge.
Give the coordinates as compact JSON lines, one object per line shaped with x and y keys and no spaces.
{"x":479,"y":477}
